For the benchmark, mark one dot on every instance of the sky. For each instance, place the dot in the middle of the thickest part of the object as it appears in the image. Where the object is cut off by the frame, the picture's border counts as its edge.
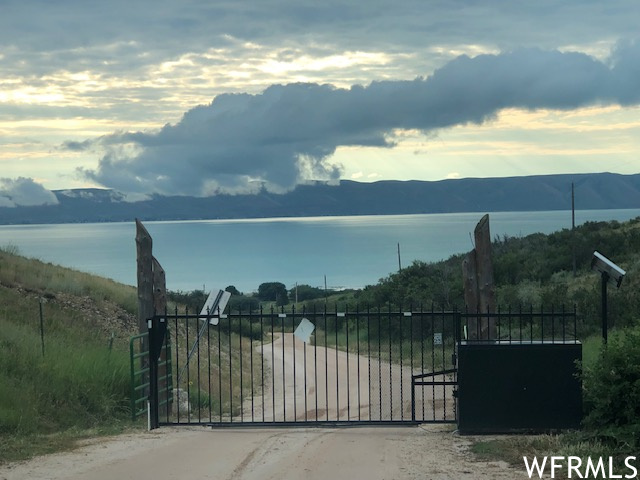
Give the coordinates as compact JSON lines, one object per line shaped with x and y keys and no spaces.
{"x":208,"y":97}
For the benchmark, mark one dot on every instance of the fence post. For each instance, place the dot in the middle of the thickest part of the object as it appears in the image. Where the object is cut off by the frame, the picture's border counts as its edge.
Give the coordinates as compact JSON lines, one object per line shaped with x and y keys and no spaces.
{"x":41,"y":327}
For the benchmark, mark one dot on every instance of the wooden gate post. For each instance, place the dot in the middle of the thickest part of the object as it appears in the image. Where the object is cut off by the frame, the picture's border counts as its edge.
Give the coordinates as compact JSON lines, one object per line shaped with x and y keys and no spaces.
{"x":144,"y":258}
{"x":144,"y":245}
{"x":479,"y":291}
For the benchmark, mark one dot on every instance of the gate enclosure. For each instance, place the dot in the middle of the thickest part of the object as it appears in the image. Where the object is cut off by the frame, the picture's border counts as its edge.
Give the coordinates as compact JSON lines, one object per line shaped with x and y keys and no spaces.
{"x":368,"y":366}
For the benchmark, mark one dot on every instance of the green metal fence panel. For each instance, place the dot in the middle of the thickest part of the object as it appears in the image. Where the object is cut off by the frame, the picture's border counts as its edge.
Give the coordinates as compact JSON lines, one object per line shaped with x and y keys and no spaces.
{"x":139,"y":361}
{"x":139,"y":365}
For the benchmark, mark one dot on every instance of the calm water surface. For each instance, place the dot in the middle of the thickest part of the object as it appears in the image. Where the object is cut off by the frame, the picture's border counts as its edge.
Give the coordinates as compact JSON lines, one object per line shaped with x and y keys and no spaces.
{"x":350,"y":251}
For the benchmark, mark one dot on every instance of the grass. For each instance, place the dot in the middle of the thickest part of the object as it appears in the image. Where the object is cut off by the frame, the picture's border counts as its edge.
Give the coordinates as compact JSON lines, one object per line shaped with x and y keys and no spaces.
{"x":22,"y":447}
{"x":513,"y":448}
{"x":79,"y":386}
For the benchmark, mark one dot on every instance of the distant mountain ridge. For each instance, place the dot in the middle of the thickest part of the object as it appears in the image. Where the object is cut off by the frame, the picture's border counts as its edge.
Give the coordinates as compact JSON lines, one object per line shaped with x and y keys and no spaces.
{"x":530,"y":193}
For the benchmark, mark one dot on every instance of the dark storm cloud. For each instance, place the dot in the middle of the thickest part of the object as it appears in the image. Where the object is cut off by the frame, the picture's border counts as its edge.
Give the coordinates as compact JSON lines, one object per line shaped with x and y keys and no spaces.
{"x":119,"y":35}
{"x":286,"y":134}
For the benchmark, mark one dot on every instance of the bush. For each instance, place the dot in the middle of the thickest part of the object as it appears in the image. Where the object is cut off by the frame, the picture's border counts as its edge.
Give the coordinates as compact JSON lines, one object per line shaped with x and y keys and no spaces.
{"x":193,"y":300}
{"x":302,"y":293}
{"x":612,"y":391}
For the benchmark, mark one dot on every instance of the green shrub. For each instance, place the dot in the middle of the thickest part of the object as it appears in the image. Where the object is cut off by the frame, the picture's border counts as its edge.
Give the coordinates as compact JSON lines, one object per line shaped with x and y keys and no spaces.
{"x":612,"y":391}
{"x":199,"y":400}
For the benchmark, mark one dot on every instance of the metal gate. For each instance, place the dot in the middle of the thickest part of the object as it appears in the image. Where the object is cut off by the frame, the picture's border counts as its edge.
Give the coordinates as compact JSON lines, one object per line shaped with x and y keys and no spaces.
{"x":368,"y":366}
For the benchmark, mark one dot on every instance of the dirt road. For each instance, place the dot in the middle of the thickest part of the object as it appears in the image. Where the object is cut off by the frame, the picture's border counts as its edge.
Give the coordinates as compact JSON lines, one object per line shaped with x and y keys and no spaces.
{"x":307,"y":383}
{"x":198,"y":453}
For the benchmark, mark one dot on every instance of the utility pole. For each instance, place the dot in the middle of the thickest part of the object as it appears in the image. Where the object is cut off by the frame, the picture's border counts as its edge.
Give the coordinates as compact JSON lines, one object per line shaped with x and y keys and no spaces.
{"x":399,"y":263}
{"x":573,"y":230}
{"x":605,"y":327}
{"x":325,"y":290}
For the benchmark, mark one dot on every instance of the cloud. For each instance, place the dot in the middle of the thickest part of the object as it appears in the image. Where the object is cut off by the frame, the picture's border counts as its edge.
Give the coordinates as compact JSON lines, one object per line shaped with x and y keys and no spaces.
{"x":24,"y":192}
{"x":75,"y":146}
{"x":162,"y":29}
{"x":287,"y":134}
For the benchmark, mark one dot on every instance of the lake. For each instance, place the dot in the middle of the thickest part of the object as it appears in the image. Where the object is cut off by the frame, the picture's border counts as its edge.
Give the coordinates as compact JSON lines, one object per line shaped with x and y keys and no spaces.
{"x":350,"y":251}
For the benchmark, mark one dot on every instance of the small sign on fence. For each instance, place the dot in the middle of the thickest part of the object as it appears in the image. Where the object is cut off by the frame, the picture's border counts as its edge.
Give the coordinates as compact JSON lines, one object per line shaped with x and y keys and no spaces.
{"x":437,"y":338}
{"x":304,"y":330}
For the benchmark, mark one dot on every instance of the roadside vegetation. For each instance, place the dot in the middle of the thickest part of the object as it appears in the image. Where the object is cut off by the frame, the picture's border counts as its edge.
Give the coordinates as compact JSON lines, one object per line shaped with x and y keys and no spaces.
{"x":66,"y":378}
{"x":79,"y":386}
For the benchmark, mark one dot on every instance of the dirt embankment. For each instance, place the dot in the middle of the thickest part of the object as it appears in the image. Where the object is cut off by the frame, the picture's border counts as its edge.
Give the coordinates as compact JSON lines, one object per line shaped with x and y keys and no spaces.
{"x":105,"y":315}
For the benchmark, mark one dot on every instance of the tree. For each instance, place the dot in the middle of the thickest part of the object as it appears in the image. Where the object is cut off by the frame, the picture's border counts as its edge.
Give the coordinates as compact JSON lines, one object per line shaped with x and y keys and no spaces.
{"x":273,"y":292}
{"x":305,"y":292}
{"x":193,"y":300}
{"x":232,"y":290}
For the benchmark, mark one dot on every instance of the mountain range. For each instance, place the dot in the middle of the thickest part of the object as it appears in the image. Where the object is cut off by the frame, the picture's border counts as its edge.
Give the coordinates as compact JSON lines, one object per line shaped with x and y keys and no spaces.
{"x":528,"y":193}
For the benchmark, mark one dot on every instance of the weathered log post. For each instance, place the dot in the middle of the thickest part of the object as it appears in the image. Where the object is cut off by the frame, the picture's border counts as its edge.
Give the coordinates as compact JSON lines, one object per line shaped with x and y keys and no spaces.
{"x":144,"y":245}
{"x":486,"y":287}
{"x":479,"y":289}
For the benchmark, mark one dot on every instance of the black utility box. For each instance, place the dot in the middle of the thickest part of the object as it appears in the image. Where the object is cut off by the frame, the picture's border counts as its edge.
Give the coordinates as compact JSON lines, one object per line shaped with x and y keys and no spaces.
{"x":518,"y":386}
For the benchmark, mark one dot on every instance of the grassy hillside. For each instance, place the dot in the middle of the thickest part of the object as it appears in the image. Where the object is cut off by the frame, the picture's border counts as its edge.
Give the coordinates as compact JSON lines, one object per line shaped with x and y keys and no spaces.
{"x":69,"y":379}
